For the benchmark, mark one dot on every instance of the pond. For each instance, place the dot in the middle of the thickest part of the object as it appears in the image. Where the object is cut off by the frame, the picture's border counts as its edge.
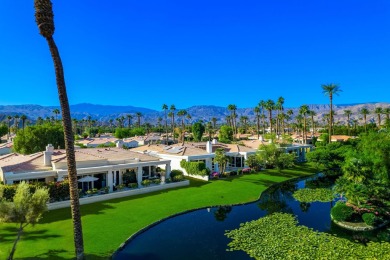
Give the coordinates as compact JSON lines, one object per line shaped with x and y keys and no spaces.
{"x":200,"y":234}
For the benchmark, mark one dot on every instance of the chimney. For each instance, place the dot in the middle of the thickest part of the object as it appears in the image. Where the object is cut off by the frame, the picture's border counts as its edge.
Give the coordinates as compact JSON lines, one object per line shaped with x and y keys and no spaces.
{"x":119,"y":144}
{"x":214,"y":141}
{"x":209,"y":147}
{"x":47,"y":155}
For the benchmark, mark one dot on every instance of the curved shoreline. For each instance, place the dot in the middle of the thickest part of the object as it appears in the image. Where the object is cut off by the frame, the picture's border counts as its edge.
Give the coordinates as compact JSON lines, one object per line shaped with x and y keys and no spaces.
{"x":365,"y":227}
{"x":139,"y":232}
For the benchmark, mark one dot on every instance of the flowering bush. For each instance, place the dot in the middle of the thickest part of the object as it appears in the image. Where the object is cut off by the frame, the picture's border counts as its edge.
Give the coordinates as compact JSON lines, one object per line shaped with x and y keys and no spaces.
{"x":246,"y":170}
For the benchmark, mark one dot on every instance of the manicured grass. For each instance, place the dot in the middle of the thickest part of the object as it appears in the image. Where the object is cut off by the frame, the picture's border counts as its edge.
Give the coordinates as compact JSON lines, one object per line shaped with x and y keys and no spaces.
{"x":108,"y":224}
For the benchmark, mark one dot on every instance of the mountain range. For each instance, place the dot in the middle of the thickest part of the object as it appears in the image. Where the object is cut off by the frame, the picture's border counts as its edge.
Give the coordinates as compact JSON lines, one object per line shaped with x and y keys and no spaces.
{"x":202,"y":112}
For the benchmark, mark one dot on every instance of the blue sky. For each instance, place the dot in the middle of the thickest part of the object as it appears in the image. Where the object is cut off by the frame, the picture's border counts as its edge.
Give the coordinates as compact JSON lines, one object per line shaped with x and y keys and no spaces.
{"x":147,"y":53}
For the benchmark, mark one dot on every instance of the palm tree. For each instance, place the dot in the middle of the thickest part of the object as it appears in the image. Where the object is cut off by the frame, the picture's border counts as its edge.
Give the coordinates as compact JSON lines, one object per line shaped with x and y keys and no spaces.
{"x":233,"y":108}
{"x":228,"y":121}
{"x":257,"y":112}
{"x":270,"y":105}
{"x":262,"y":107}
{"x":182,"y":113}
{"x":244,"y":122}
{"x":138,"y":115}
{"x":379,"y":112}
{"x":111,"y":124}
{"x":304,"y":110}
{"x":16,"y":122}
{"x":214,"y":120}
{"x":330,"y":90}
{"x":172,"y":109}
{"x":312,"y":114}
{"x":348,"y":113}
{"x":364,"y":111}
{"x":165,"y":108}
{"x":129,"y":117}
{"x":23,"y":118}
{"x":159,"y":120}
{"x":189,"y":117}
{"x":279,"y":109}
{"x":44,"y":20}
{"x":9,"y":126}
{"x":56,"y":112}
{"x":39,"y":120}
{"x":289,"y":113}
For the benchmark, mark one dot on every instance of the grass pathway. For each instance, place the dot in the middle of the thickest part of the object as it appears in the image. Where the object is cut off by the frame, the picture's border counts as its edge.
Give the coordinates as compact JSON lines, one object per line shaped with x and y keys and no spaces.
{"x":108,"y":224}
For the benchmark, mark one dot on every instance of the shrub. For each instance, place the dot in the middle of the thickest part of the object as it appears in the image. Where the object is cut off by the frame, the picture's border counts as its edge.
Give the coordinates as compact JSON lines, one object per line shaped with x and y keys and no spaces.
{"x":369,"y":218}
{"x":8,"y":192}
{"x":239,"y":172}
{"x":195,"y":168}
{"x":232,"y":173}
{"x":178,"y":178}
{"x":133,"y":185}
{"x":157,"y":181}
{"x":176,"y":172}
{"x":225,"y":174}
{"x":246,"y":170}
{"x":129,"y":177}
{"x":120,"y":186}
{"x":341,"y":212}
{"x":146,"y":183}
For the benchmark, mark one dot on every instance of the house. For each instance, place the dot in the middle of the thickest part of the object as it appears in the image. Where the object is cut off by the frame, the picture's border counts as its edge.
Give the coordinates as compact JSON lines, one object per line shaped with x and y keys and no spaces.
{"x":99,"y":141}
{"x":105,"y":165}
{"x":198,"y":152}
{"x":299,"y":150}
{"x":6,"y":148}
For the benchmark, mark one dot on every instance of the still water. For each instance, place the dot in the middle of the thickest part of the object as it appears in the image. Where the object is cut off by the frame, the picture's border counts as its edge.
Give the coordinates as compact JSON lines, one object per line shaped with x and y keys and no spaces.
{"x":200,"y":234}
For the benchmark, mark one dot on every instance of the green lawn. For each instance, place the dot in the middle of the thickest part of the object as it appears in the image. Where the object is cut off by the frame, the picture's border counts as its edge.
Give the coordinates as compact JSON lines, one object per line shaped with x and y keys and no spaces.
{"x":108,"y":224}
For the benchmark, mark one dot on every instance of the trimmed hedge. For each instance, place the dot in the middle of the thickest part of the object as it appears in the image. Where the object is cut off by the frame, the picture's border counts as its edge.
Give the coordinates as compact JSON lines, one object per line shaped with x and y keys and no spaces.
{"x":195,"y":168}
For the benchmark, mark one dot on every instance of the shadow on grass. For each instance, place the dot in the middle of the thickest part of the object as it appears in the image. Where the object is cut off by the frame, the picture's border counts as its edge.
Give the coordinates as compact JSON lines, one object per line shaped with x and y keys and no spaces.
{"x":54,"y":255}
{"x":27,"y":235}
{"x":101,"y":207}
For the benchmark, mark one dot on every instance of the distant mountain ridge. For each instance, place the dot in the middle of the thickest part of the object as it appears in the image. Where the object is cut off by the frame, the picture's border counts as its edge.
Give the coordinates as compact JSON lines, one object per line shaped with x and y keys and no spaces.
{"x":202,"y":112}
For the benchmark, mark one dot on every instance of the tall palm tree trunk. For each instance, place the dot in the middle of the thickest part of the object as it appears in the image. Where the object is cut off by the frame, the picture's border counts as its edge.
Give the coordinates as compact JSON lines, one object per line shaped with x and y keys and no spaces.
{"x":70,"y":153}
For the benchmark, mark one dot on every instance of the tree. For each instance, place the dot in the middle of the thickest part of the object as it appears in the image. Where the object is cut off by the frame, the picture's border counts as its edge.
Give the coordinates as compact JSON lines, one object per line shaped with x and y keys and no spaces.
{"x":129,"y":117}
{"x":172,"y":113}
{"x":56,"y":112}
{"x":225,"y":134}
{"x":165,"y":108}
{"x":233,"y":108}
{"x":274,"y":157}
{"x":214,"y":120}
{"x":44,"y":19}
{"x":330,"y":90}
{"x":3,"y":129}
{"x":279,"y":108}
{"x":270,"y":105}
{"x":25,"y":209}
{"x":348,"y":113}
{"x":262,"y":107}
{"x":379,"y":112}
{"x":257,"y":113}
{"x":35,"y":138}
{"x":9,"y":126}
{"x":222,"y":159}
{"x":138,"y":115}
{"x":364,"y":112}
{"x":304,"y":110}
{"x":197,"y":131}
{"x":182,"y":113}
{"x":312,"y":114}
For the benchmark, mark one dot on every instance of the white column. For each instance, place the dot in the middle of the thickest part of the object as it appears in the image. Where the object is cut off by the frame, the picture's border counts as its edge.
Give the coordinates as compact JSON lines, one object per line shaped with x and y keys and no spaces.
{"x":209,"y":163}
{"x":139,"y":176}
{"x":168,"y":170}
{"x":109,"y":179}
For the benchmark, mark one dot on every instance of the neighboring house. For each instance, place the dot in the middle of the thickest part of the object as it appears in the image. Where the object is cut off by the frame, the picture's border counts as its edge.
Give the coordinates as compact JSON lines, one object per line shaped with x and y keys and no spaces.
{"x":107,"y":165}
{"x":95,"y":142}
{"x":195,"y":152}
{"x":300,"y":150}
{"x":6,"y":148}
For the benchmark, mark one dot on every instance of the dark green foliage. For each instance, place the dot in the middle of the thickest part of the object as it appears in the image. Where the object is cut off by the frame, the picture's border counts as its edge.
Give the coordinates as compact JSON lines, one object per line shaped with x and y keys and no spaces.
{"x":369,"y":218}
{"x":3,"y":129}
{"x":129,"y":177}
{"x":341,"y":212}
{"x":197,"y":131}
{"x":195,"y":168}
{"x":110,"y":144}
{"x":127,"y":132}
{"x":92,"y":131}
{"x":177,"y":175}
{"x":58,"y":191}
{"x":8,"y":191}
{"x":225,"y":134}
{"x":274,"y":157}
{"x":253,"y":162}
{"x":35,"y":138}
